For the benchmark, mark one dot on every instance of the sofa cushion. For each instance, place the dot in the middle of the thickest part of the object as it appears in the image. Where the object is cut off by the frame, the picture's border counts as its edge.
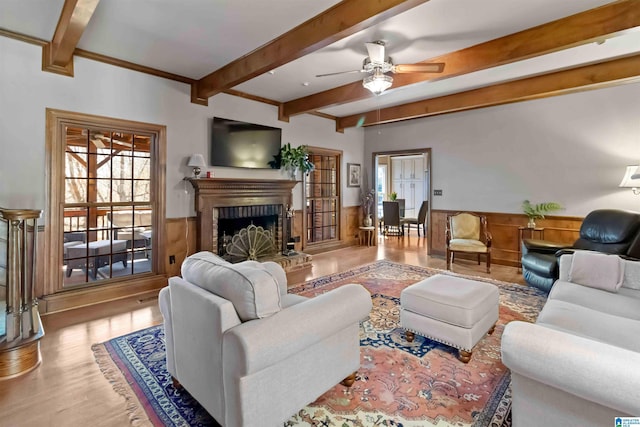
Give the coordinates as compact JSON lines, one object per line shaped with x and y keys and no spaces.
{"x":252,"y":288}
{"x":597,"y":270}
{"x":467,"y":245}
{"x":626,"y":303}
{"x":589,"y":323}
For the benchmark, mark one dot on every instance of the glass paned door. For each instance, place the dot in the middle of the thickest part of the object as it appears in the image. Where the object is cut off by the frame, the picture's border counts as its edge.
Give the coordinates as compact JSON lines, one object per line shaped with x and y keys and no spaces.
{"x":322,"y":194}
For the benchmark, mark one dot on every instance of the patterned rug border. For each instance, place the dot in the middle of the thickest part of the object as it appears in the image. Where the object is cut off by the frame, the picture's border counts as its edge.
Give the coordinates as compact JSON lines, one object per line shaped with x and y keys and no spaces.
{"x":141,"y":416}
{"x":117,"y":377}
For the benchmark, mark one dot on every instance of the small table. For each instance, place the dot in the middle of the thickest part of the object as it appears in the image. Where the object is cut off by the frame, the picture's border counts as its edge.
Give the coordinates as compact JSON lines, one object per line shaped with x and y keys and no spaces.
{"x":366,"y":236}
{"x":529,"y":235}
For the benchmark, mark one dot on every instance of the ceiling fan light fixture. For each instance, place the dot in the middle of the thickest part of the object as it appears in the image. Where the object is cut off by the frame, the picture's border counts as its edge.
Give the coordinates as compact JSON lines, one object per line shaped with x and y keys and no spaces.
{"x":378,"y":82}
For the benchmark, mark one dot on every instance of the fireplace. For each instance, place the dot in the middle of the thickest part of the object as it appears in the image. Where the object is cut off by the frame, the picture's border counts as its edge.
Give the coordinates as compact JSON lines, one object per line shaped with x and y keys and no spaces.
{"x":225,"y":206}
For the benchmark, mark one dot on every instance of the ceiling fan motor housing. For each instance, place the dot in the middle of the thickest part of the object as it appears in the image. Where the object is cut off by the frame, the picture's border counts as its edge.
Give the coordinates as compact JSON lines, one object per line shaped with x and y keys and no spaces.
{"x":370,"y":67}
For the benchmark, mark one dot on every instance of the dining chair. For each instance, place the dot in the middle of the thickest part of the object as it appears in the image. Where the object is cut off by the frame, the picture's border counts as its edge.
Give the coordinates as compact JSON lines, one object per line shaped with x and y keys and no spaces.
{"x":420,"y":221}
{"x":391,"y":212}
{"x":401,"y":205}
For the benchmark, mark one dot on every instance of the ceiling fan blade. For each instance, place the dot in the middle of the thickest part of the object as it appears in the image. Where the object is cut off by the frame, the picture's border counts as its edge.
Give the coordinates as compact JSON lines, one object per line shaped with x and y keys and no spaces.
{"x":376,"y":52}
{"x":340,"y":72}
{"x":434,"y":67}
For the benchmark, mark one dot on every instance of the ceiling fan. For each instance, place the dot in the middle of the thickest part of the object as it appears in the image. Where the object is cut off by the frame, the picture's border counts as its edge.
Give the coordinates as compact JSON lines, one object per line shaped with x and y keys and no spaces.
{"x":377,"y":64}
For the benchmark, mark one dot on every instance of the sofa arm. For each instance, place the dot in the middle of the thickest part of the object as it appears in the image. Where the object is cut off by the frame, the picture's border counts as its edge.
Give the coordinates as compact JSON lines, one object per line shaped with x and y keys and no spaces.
{"x":542,"y":246}
{"x":592,"y":370}
{"x":260,"y":343}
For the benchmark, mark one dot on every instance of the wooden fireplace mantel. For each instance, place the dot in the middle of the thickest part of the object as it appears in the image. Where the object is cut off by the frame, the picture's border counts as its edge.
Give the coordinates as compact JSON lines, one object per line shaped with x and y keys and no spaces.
{"x":226,"y":192}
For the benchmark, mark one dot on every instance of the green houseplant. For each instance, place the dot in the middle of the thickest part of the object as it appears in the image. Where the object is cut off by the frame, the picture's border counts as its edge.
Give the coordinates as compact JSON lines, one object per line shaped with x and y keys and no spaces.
{"x":534,"y":212}
{"x":393,"y":196}
{"x":293,"y":159}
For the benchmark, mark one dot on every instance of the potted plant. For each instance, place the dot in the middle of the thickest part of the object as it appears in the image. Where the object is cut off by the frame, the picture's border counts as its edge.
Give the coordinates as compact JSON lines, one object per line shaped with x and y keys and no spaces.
{"x":534,"y":212}
{"x":393,"y":196}
{"x":293,"y":159}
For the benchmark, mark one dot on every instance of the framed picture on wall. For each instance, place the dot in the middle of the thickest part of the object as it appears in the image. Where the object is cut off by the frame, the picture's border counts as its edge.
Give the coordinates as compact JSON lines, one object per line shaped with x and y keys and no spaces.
{"x":353,"y":175}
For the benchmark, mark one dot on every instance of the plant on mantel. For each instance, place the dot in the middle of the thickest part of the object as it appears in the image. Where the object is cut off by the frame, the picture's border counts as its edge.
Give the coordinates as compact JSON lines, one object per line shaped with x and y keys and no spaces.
{"x":538,"y":211}
{"x":293,"y":159}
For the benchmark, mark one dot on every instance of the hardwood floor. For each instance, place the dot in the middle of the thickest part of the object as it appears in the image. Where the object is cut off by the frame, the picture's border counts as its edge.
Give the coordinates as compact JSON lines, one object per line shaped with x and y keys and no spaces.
{"x":68,"y":389}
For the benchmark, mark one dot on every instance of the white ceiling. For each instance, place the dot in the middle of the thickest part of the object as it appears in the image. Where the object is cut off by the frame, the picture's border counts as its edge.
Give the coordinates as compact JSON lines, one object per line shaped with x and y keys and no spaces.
{"x":193,"y":38}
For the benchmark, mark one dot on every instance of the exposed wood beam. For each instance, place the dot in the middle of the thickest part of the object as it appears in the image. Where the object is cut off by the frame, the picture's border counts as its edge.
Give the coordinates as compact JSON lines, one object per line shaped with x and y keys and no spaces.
{"x":345,"y":18}
{"x":592,"y":25}
{"x":594,"y":76}
{"x":57,"y":56}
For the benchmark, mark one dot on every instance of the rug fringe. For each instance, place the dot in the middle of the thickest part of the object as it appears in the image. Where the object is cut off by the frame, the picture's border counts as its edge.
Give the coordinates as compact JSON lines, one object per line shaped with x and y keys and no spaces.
{"x":137,"y":415}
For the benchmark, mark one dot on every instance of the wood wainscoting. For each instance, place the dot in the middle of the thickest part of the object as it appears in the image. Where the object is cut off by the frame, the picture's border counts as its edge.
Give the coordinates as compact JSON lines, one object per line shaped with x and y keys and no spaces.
{"x":181,"y":242}
{"x":504,"y":228}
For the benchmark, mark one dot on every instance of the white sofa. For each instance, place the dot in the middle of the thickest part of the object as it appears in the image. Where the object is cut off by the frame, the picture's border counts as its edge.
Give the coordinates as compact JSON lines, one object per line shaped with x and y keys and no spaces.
{"x":579,"y":364}
{"x":250,"y":353}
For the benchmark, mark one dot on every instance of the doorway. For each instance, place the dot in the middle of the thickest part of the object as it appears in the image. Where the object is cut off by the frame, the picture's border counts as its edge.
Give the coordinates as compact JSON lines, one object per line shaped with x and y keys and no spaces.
{"x":407,"y":173}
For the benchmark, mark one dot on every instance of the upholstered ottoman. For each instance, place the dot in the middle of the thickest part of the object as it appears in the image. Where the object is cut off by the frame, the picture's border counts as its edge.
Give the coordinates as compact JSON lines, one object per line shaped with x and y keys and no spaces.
{"x":451,"y":310}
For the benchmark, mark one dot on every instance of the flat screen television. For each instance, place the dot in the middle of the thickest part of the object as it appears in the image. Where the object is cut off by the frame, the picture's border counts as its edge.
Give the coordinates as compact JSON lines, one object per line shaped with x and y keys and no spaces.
{"x":243,"y":145}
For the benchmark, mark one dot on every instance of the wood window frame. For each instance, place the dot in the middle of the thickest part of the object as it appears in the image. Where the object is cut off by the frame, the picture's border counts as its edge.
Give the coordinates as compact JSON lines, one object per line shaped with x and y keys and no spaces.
{"x":55,"y":297}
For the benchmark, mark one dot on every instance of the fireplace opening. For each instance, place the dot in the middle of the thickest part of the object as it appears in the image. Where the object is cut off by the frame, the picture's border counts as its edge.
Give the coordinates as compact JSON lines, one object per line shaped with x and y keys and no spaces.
{"x":233,"y":220}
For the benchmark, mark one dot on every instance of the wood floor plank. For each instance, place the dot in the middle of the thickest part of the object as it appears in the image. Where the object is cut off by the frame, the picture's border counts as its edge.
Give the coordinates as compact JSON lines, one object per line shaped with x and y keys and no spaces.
{"x":68,"y":389}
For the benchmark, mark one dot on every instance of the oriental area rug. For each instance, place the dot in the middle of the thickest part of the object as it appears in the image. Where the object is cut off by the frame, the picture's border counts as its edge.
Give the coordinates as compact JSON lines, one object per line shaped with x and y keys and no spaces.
{"x":416,"y":384}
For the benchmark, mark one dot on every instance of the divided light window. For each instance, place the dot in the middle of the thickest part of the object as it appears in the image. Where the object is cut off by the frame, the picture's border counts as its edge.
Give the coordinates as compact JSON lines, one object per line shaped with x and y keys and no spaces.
{"x":322,"y":193}
{"x":107,"y":208}
{"x":106,"y":202}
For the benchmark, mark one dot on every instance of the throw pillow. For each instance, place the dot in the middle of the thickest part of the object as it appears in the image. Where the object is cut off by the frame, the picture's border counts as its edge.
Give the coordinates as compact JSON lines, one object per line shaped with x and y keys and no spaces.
{"x":597,"y":270}
{"x":251,"y":288}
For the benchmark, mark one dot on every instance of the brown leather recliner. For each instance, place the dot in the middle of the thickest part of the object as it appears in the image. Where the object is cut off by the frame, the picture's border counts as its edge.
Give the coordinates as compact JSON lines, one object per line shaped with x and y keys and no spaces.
{"x":605,"y":230}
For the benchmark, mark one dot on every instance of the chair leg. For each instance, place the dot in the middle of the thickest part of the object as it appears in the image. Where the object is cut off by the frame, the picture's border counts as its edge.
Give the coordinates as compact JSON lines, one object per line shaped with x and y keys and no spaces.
{"x":348,"y":382}
{"x":488,"y":262}
{"x":448,"y":259}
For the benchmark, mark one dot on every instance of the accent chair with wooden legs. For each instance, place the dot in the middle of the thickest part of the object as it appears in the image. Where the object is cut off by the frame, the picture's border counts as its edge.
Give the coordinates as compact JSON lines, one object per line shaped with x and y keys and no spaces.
{"x":250,"y":353}
{"x":467,"y":233}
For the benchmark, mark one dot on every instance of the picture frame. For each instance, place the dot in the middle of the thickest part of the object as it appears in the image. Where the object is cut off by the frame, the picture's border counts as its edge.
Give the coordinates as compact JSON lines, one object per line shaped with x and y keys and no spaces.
{"x":354,"y":176}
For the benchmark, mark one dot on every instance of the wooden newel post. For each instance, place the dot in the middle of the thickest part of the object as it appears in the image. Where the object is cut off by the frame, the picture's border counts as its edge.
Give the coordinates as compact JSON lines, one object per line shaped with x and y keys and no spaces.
{"x":19,"y":339}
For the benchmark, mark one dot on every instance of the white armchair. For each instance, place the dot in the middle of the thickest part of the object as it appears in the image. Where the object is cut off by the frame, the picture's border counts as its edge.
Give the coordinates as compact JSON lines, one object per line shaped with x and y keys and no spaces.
{"x":248,"y":352}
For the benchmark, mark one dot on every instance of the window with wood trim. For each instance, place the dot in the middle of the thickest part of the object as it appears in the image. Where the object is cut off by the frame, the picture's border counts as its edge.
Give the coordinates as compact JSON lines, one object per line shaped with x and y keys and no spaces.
{"x":106,"y":204}
{"x":322,"y":197}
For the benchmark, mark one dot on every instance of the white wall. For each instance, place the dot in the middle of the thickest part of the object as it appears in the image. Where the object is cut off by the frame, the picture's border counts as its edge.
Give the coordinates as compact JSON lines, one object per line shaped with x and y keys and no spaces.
{"x":570,"y":149}
{"x":101,"y":89}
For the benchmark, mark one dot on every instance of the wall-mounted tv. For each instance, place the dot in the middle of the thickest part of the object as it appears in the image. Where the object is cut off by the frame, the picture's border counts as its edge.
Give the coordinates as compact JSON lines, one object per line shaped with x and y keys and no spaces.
{"x":243,"y":145}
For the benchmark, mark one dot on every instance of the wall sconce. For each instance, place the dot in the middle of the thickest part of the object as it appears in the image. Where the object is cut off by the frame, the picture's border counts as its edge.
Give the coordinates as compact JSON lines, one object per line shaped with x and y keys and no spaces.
{"x":197,"y":162}
{"x":631,"y":179}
